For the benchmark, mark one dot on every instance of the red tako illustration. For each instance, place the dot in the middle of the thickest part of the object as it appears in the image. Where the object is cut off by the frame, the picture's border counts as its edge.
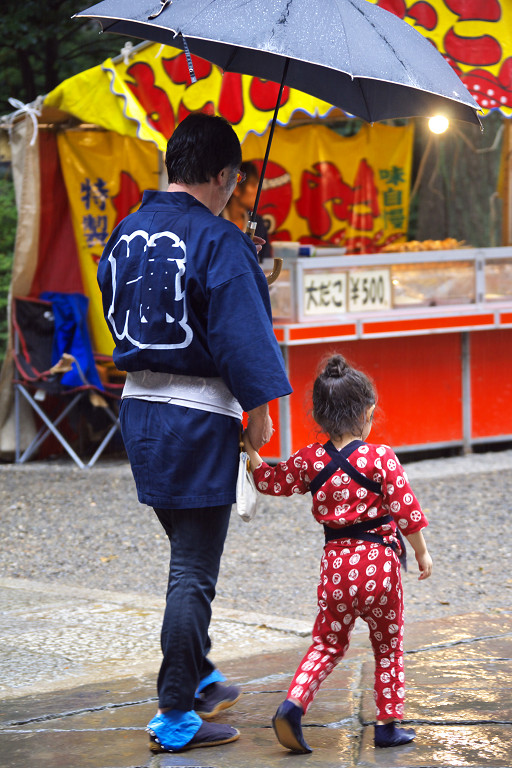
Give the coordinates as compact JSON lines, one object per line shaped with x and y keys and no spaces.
{"x":264,"y":93}
{"x":490,"y":91}
{"x":127,"y":198}
{"x":319,"y":187}
{"x":366,"y":196}
{"x":475,"y":10}
{"x":231,"y":100}
{"x":483,"y":51}
{"x":424,"y":15}
{"x":153,"y":99}
{"x":177,"y":69}
{"x":276,"y":198}
{"x":357,"y":205}
{"x":141,"y":80}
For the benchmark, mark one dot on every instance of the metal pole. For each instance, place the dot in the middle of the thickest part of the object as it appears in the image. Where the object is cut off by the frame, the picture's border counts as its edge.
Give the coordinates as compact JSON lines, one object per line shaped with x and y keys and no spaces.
{"x":466,"y":393}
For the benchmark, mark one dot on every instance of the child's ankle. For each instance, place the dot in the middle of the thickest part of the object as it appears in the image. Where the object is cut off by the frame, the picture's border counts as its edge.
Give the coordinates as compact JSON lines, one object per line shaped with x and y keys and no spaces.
{"x":297,"y":704}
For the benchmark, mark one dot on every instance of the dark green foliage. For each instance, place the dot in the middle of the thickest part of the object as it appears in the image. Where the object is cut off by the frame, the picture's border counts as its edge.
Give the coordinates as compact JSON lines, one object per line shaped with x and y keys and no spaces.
{"x":42,"y":45}
{"x":8,"y":218}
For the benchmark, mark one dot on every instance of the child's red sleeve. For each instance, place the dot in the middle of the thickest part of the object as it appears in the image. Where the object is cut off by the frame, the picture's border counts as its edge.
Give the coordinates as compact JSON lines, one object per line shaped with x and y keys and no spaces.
{"x":399,"y":498}
{"x":285,"y":479}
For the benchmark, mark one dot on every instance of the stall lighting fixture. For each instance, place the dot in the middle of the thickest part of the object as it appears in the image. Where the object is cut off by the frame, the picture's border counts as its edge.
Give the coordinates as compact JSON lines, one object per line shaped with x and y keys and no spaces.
{"x":438,"y":123}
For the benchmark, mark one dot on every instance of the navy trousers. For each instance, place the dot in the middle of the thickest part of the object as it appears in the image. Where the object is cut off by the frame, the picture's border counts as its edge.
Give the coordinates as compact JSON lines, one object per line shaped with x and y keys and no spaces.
{"x":197,"y":539}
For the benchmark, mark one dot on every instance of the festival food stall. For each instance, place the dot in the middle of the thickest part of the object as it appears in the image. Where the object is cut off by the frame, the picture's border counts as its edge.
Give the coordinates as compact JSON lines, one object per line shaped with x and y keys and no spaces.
{"x":433,"y":328}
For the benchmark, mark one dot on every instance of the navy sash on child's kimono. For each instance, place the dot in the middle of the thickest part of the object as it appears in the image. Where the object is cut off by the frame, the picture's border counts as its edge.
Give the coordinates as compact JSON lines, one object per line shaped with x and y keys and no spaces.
{"x":339,"y":460}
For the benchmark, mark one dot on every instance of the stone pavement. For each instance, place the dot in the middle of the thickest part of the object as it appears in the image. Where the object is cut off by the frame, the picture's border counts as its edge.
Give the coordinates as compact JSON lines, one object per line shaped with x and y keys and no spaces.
{"x":77,"y":671}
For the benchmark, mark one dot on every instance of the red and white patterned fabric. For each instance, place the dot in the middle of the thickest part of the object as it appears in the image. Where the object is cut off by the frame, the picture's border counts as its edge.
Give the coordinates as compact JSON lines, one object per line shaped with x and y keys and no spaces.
{"x":357,"y":578}
{"x":359,"y":581}
{"x":341,"y":500}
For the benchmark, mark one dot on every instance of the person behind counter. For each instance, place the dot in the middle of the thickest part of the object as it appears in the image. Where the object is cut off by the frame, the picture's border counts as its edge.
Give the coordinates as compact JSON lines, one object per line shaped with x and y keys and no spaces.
{"x":241,"y":203}
{"x":361,"y":495}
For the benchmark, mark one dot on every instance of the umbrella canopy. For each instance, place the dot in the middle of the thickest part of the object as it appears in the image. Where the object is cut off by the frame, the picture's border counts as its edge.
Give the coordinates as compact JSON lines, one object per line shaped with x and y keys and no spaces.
{"x":349,"y":53}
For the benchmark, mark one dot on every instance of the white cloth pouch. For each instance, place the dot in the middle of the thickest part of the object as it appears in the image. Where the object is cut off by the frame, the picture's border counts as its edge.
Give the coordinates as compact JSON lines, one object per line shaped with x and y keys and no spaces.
{"x":246,"y":493}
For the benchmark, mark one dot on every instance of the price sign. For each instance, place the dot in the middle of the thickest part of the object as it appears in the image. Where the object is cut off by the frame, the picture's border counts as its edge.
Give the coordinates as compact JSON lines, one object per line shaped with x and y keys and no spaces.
{"x":368,"y":290}
{"x":324,"y":293}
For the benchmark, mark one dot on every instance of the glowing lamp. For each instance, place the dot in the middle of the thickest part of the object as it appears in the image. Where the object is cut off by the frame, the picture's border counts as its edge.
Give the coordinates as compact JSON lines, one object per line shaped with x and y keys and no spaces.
{"x":438,"y":123}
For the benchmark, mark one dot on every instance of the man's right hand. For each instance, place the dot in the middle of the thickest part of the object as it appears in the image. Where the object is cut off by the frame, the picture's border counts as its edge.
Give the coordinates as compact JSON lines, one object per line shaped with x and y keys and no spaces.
{"x":259,"y":426}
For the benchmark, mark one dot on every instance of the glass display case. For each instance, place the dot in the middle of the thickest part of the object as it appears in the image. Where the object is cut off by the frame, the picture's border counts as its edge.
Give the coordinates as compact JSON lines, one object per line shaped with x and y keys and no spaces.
{"x":325,"y":287}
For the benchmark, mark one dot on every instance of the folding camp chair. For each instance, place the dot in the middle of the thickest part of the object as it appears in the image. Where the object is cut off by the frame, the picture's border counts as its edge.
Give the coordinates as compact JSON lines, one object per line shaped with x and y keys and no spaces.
{"x":40,"y":382}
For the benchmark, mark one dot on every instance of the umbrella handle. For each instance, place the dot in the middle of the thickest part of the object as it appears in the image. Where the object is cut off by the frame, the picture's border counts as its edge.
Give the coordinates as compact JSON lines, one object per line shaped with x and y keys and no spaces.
{"x":276,"y":271}
{"x":278,"y":262}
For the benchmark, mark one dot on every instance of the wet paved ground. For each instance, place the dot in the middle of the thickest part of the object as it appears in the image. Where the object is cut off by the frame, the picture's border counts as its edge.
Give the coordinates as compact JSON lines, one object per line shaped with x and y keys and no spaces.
{"x":459,"y":700}
{"x":77,"y":669}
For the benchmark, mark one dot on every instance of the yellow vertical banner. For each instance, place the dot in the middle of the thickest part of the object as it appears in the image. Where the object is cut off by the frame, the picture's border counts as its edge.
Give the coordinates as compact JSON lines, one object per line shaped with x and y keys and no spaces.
{"x":327,"y":189}
{"x":105,"y":175}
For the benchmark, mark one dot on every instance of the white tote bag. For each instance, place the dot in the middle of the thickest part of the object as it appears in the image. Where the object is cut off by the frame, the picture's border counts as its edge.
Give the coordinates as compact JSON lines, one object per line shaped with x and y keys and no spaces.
{"x":246,"y":493}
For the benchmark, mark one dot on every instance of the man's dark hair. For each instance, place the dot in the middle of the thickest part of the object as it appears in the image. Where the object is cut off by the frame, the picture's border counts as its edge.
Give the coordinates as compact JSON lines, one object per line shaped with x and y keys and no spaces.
{"x":200,"y":147}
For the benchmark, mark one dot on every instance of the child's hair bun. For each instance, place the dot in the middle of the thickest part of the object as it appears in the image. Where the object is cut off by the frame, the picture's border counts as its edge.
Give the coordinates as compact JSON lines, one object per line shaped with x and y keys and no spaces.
{"x":336,"y":367}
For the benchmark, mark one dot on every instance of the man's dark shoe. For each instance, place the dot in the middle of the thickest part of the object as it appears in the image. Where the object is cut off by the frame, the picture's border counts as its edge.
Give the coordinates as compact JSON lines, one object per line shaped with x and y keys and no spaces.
{"x":214,"y":698}
{"x":208,"y":735}
{"x":288,"y":729}
{"x":389,"y":735}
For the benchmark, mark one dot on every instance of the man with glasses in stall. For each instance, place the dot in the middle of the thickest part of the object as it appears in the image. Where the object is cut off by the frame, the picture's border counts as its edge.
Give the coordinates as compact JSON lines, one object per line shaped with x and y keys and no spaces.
{"x":188,"y":308}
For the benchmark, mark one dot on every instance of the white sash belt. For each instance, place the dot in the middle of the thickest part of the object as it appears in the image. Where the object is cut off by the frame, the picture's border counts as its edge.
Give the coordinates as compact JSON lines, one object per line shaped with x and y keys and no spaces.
{"x":205,"y":394}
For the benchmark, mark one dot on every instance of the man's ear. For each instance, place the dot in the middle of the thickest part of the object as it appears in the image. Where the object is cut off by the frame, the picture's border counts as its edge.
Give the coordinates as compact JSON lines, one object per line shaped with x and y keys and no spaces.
{"x":222,"y":177}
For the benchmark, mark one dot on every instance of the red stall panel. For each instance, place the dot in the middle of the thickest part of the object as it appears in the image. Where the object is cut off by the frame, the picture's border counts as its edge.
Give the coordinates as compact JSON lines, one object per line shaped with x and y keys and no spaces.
{"x":491,"y":383}
{"x":271,"y":449}
{"x":418,"y":381}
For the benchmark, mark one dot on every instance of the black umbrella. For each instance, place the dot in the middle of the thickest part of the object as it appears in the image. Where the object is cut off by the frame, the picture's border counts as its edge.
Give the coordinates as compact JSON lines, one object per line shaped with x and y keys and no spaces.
{"x":349,"y":53}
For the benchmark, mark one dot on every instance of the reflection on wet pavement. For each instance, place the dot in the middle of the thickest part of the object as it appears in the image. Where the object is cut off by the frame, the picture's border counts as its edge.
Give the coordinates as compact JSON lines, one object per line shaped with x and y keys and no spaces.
{"x":459,"y":700}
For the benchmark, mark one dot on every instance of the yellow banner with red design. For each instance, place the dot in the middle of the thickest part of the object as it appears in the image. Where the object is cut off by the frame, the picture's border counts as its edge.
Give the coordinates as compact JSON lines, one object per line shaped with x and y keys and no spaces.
{"x":475,"y":36}
{"x":151,"y":93}
{"x":105,"y":175}
{"x":323,"y":188}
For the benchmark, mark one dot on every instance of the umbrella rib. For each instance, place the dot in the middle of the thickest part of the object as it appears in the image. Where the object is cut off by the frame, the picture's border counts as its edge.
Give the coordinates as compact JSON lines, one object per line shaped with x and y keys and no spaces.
{"x":385,"y":39}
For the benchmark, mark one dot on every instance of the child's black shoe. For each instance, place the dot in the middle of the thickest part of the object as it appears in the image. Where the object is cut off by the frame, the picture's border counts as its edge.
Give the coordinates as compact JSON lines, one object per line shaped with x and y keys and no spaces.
{"x":288,"y":729}
{"x":389,"y":735}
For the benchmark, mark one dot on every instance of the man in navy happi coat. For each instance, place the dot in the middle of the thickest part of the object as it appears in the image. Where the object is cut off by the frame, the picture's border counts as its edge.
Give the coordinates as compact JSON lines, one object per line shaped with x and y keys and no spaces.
{"x":189,"y":311}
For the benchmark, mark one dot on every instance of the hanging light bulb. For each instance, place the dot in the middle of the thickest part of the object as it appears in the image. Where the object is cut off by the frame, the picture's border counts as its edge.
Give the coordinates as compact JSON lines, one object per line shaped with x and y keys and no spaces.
{"x":438,"y":123}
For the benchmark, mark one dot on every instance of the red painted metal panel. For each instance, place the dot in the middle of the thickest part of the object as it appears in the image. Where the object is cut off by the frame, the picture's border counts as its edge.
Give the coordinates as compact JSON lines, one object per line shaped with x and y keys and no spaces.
{"x":272,"y":449}
{"x":427,"y":323}
{"x":491,"y":383}
{"x":321,"y":332}
{"x":418,"y":380}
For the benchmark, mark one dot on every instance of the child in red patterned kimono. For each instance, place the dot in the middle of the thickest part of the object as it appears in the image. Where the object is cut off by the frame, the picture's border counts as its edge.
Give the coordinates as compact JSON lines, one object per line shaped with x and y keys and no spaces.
{"x":362,"y":497}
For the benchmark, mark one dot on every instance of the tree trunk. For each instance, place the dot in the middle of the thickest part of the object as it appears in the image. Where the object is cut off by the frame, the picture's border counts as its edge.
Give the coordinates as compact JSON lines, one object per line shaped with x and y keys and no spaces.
{"x":29,"y":90}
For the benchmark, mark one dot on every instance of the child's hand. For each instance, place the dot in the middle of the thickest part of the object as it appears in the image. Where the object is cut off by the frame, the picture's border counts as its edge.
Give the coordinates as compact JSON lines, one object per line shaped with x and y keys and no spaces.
{"x":424,"y":564}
